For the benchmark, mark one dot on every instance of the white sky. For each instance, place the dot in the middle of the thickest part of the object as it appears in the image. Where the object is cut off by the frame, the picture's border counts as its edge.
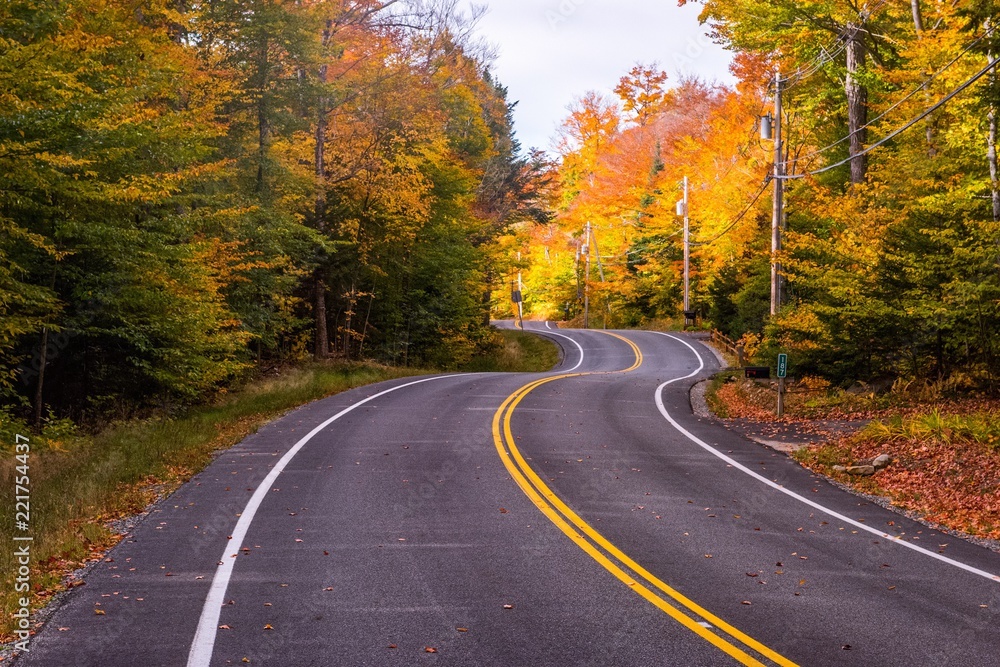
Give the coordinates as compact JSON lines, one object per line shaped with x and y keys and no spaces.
{"x":553,"y":51}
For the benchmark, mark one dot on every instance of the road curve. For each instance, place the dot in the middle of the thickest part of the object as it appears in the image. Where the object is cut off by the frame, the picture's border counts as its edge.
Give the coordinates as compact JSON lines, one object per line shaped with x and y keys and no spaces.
{"x":579,"y":517}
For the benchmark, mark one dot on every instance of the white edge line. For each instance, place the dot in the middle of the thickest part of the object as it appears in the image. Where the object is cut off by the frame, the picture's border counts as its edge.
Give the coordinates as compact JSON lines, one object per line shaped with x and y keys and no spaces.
{"x":548,"y":326}
{"x":579,"y":363}
{"x":203,"y":644}
{"x":895,"y":539}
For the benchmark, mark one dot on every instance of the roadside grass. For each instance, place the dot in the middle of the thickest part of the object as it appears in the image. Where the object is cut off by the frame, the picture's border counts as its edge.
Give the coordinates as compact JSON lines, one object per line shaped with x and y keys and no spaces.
{"x":521,"y":353}
{"x":81,"y":483}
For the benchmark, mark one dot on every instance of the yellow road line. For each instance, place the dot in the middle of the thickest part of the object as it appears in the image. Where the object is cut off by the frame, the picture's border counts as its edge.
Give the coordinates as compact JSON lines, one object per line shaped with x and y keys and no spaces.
{"x":555,"y":509}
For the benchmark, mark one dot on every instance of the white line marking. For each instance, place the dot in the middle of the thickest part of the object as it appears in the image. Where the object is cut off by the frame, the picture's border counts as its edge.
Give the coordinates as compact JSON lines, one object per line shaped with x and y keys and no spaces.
{"x":894,"y":539}
{"x":579,"y":363}
{"x":203,"y":644}
{"x":548,"y":326}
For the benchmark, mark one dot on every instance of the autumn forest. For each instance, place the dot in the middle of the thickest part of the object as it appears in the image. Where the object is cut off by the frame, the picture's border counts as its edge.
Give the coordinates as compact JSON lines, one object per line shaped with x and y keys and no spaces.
{"x":191,"y":191}
{"x":890,"y":246}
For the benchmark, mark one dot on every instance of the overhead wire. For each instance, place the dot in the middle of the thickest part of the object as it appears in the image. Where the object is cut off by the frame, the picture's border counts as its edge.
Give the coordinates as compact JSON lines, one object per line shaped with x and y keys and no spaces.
{"x":739,"y":217}
{"x":882,"y":141}
{"x":829,"y":55}
{"x":892,"y":135}
{"x":826,"y":56}
{"x":903,"y":100}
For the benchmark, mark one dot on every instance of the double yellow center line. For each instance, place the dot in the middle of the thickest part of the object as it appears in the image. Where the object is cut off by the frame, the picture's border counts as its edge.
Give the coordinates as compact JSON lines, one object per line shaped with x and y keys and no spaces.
{"x":683,"y":610}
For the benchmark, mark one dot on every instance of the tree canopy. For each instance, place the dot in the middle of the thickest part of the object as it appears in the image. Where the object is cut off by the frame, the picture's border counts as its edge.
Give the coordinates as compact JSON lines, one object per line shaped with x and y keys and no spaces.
{"x":891,"y":254}
{"x":190,"y":188}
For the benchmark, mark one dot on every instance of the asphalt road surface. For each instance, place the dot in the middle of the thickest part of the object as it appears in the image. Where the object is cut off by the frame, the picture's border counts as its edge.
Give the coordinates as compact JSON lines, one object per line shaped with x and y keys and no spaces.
{"x":580,"y":517}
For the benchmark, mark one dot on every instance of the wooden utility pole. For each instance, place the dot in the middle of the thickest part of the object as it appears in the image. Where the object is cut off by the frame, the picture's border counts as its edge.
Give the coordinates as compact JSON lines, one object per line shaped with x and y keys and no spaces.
{"x":586,"y":280}
{"x":779,"y":204}
{"x":687,"y":251}
{"x":600,"y":272}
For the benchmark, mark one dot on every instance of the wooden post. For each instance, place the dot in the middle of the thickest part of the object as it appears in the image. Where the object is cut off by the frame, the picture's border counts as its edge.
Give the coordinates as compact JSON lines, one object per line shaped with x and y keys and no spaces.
{"x":781,"y":397}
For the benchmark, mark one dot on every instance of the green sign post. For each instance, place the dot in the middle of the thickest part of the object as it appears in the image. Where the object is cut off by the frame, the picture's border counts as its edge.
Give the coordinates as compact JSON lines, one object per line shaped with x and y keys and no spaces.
{"x":782,"y":374}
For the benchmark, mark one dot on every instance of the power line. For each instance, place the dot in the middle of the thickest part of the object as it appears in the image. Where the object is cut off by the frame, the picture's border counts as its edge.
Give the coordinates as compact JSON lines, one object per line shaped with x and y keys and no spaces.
{"x":913,"y":92}
{"x":892,"y":135}
{"x":739,"y":217}
{"x":829,"y":55}
{"x":879,"y":143}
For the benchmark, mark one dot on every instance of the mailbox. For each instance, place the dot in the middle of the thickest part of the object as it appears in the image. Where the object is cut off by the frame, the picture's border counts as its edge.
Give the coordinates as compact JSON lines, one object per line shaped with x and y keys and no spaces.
{"x":758,"y":372}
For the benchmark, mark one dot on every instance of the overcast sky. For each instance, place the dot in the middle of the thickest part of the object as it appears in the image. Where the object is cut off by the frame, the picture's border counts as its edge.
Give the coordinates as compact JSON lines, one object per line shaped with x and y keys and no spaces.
{"x":553,"y":51}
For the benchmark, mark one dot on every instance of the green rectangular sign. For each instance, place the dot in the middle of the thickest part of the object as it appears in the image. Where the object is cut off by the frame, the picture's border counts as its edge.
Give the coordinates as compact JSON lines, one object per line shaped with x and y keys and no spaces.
{"x":782,"y":365}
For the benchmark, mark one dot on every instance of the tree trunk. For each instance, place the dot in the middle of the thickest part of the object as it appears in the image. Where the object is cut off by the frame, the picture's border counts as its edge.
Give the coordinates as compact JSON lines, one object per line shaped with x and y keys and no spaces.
{"x":487,"y":301}
{"x":857,"y":102}
{"x":319,"y":307}
{"x":263,"y":122}
{"x":991,"y":154}
{"x":991,"y":141}
{"x":918,"y":26}
{"x":918,"y":21}
{"x":352,"y":301}
{"x":322,"y":333}
{"x":43,"y":359}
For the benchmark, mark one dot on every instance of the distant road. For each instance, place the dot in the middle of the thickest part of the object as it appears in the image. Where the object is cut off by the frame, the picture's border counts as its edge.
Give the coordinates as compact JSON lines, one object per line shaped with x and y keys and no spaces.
{"x":579,"y":517}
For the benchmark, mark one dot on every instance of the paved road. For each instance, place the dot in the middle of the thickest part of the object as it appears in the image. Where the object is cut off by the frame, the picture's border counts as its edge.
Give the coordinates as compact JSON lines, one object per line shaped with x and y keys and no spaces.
{"x":582,"y":517}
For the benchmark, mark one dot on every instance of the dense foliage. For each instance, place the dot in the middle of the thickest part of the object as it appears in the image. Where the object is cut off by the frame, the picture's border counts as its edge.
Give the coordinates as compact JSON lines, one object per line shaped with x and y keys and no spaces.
{"x":188,"y":188}
{"x":891,"y":254}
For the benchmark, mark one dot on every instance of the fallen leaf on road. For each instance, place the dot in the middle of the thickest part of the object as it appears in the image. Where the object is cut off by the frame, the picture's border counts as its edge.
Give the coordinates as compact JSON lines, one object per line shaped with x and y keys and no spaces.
{"x":462,"y":629}
{"x":99,"y":612}
{"x":225,"y":627}
{"x":430,"y":649}
{"x":508,"y":606}
{"x":747,"y":602}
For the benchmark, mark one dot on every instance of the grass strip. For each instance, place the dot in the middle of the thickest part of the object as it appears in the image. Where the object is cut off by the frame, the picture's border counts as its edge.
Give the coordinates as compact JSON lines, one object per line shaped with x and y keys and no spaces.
{"x":81,"y":483}
{"x":521,"y":353}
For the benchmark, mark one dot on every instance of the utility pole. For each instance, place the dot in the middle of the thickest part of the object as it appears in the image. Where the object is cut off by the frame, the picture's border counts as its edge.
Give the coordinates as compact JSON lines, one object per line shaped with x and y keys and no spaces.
{"x":585,"y":249}
{"x":779,"y":192}
{"x":520,"y":291}
{"x":600,"y":272}
{"x":687,"y":251}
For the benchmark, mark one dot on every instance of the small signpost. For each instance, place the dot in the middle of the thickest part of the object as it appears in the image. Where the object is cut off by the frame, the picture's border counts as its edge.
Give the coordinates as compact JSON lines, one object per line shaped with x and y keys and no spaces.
{"x":782,"y":374}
